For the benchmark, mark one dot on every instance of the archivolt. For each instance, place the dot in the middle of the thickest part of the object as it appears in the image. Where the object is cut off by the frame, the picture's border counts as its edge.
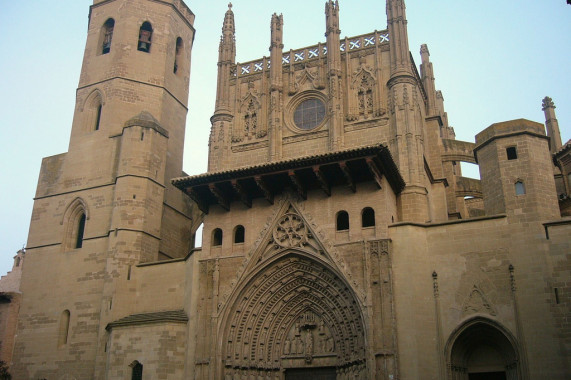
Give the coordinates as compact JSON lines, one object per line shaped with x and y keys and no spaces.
{"x":277,"y":298}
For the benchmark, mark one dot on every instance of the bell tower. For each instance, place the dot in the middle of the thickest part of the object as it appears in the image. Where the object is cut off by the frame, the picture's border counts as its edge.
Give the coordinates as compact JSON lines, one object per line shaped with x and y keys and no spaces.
{"x":107,"y":204}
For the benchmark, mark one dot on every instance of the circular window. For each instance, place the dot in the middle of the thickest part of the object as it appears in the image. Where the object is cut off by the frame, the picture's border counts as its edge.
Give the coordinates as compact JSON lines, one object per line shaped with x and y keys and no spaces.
{"x":309,"y":114}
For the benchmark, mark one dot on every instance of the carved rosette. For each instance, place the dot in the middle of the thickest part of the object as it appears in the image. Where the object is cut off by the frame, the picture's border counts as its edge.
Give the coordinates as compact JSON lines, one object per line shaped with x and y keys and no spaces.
{"x":291,"y":231}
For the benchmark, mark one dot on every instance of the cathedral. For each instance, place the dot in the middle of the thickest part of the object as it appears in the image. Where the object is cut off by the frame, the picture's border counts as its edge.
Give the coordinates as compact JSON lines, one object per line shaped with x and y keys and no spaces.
{"x":339,"y":237}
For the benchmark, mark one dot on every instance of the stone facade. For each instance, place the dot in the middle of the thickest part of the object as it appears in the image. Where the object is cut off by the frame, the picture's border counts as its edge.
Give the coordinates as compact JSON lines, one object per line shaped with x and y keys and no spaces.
{"x":340,"y":239}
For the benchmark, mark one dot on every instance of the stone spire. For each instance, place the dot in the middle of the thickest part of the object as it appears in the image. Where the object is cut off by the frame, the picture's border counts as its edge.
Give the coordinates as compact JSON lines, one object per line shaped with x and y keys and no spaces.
{"x":400,"y":54}
{"x":226,"y":58}
{"x":406,"y":140}
{"x":276,"y":87}
{"x":222,"y":118}
{"x":276,"y":48}
{"x":427,"y":75}
{"x":332,"y":33}
{"x":551,"y":124}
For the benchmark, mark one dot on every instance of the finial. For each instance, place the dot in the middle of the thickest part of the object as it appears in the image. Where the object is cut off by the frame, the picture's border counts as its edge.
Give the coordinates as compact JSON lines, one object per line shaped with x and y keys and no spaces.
{"x":230,"y":5}
{"x":547,"y":103}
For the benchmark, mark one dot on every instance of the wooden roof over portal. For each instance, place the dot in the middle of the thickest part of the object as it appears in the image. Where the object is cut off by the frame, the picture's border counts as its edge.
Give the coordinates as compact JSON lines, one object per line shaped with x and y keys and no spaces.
{"x":322,"y":171}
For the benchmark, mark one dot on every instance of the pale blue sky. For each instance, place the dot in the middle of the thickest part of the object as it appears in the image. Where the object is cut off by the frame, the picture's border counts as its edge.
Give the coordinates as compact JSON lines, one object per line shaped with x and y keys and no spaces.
{"x":493,"y":61}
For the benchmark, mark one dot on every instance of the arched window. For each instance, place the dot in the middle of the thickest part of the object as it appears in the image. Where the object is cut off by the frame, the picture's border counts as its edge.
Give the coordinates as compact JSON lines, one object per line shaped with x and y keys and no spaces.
{"x":63,"y":328}
{"x":80,"y":231}
{"x":368,"y":217}
{"x":93,"y":110}
{"x":74,"y":220}
{"x":342,"y":221}
{"x":239,"y":234}
{"x":136,"y":370}
{"x":145,"y":35}
{"x":216,"y":237}
{"x":98,"y":116}
{"x":519,"y":188}
{"x":107,"y":35}
{"x":177,"y":54}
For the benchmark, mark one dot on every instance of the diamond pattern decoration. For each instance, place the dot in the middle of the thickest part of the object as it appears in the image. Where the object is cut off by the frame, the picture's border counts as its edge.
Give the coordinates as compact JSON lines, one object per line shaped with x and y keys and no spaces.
{"x":355,"y":44}
{"x":369,"y":40}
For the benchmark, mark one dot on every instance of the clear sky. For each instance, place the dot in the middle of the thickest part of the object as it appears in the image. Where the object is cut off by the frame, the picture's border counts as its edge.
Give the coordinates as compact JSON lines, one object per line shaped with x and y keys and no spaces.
{"x":493,"y":60}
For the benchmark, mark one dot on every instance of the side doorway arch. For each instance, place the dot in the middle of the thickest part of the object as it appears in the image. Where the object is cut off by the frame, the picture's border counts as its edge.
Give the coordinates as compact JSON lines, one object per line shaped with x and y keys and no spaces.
{"x":480,"y":349}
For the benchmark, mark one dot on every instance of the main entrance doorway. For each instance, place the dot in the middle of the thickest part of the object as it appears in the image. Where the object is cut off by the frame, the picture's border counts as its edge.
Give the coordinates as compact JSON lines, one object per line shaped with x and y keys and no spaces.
{"x":310,"y":374}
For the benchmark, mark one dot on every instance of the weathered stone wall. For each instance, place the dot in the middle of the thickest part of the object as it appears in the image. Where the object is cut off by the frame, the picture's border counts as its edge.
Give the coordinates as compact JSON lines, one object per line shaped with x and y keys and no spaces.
{"x":160,"y":348}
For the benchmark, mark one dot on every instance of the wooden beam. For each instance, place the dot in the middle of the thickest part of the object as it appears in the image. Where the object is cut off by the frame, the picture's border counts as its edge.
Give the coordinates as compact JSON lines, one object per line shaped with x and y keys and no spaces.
{"x":348,"y":176}
{"x":375,"y":171}
{"x":202,"y":206}
{"x":265,"y":189}
{"x":223,"y":201}
{"x":325,"y":186}
{"x":297,"y":184}
{"x":244,"y":196}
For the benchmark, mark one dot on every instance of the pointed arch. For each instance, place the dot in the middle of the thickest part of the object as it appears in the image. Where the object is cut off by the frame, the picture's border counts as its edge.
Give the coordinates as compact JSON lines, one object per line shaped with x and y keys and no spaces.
{"x":136,"y":370}
{"x":294,"y":307}
{"x":364,"y":98}
{"x":249,"y":123}
{"x":74,"y":221}
{"x":482,"y":344}
{"x":92,"y":110}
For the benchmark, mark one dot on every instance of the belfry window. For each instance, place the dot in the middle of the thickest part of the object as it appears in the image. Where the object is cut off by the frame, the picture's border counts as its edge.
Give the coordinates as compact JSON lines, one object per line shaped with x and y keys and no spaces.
{"x":107,"y":35}
{"x":217,"y":237}
{"x":145,"y":36}
{"x":239,"y":234}
{"x":342,"y":221}
{"x":368,"y":217}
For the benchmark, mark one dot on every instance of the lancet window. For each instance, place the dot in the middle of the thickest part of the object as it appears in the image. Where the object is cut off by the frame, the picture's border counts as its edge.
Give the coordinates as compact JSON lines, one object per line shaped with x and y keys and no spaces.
{"x":63,"y":328}
{"x":177,"y":54}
